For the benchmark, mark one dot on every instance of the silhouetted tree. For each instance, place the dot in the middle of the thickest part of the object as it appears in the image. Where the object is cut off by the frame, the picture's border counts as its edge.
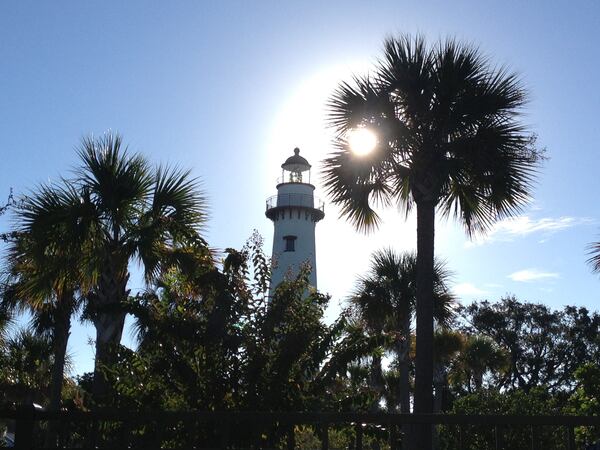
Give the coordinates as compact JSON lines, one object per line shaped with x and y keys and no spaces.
{"x":448,"y":138}
{"x":384,"y":300}
{"x":135,"y":212}
{"x":45,"y":260}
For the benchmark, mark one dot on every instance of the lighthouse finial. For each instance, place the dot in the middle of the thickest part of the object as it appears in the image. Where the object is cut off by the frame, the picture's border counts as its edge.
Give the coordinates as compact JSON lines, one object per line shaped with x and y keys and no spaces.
{"x":296,"y":151}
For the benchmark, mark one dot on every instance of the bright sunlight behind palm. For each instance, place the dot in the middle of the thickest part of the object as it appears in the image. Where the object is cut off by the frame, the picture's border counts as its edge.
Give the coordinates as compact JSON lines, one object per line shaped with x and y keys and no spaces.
{"x":362,"y":141}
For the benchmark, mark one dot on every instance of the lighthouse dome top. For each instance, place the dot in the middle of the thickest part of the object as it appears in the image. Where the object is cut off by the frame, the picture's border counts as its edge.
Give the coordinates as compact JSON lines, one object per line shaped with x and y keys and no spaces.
{"x":296,"y":163}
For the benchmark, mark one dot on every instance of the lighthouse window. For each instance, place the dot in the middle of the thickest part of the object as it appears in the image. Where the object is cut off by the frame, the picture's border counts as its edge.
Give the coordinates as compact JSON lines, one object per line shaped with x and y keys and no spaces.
{"x":290,"y":243}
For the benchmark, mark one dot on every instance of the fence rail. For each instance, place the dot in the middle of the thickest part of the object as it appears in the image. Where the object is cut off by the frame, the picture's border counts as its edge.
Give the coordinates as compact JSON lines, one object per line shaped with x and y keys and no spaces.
{"x":222,"y":424}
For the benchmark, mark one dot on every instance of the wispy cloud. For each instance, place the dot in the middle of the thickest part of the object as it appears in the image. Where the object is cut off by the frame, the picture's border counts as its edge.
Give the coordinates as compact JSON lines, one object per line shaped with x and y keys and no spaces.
{"x":508,"y":229}
{"x":468,"y":289}
{"x":532,"y":275}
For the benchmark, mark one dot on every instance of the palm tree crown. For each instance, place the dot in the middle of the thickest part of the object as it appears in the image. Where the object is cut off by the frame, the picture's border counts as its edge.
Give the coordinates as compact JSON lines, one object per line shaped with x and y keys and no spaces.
{"x":386,"y":295}
{"x":448,"y":131}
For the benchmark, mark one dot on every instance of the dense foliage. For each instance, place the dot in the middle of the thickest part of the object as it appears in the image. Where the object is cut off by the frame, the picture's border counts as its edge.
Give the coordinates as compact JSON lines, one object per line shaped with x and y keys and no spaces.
{"x":210,"y":338}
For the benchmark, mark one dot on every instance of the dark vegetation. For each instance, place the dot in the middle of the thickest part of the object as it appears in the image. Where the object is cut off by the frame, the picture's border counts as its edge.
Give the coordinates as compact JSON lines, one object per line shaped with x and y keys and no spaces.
{"x":210,"y":339}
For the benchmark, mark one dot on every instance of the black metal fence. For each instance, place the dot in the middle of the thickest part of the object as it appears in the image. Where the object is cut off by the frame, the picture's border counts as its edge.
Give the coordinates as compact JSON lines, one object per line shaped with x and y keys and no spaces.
{"x":262,"y":430}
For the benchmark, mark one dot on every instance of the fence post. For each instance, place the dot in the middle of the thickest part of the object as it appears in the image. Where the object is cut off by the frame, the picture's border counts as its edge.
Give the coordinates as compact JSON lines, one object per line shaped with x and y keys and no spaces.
{"x":291,"y":438}
{"x":224,"y":428}
{"x":535,"y":445}
{"x":24,"y":427}
{"x":92,"y":437}
{"x":499,"y":437}
{"x":393,"y":437}
{"x":571,"y":437}
{"x":359,"y":437}
{"x":325,"y":437}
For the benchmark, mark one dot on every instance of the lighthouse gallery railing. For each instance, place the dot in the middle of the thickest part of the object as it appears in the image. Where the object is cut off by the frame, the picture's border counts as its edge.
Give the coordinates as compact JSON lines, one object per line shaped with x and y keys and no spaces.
{"x":301,"y":200}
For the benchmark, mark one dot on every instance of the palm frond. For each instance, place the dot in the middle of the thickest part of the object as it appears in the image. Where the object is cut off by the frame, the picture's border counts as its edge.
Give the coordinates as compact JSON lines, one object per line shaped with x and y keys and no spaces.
{"x":594,"y":260}
{"x":389,"y":288}
{"x":168,"y":233}
{"x":117,"y":180}
{"x":46,"y":254}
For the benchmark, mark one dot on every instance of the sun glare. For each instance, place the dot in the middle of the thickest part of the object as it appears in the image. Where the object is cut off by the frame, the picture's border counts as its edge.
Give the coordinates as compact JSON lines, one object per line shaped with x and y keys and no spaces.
{"x":301,"y":120}
{"x":362,"y":141}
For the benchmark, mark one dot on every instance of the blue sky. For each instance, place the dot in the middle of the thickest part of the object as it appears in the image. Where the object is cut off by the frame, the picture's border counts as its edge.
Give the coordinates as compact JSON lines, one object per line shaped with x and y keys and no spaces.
{"x":230,"y":88}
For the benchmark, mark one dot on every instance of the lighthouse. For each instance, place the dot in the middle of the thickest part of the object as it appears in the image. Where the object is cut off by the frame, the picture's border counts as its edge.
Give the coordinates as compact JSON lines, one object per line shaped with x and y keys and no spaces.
{"x":295,"y":212}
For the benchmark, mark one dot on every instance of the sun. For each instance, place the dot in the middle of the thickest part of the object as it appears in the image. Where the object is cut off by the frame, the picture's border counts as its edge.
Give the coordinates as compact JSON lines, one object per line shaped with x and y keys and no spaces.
{"x":362,"y":141}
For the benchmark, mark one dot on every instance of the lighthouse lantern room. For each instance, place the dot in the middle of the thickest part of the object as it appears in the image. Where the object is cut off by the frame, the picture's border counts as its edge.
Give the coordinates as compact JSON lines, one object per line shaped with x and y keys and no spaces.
{"x":294,"y":211}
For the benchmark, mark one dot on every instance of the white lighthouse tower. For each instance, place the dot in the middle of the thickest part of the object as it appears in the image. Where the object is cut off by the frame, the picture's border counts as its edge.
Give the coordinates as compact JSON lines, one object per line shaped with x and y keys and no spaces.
{"x":294,"y":211}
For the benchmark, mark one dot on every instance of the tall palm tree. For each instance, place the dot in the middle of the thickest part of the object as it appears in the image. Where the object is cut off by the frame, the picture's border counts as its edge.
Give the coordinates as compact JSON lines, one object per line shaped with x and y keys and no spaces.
{"x":139,"y":213}
{"x":45,"y":261}
{"x":448,"y":138}
{"x":385,"y":299}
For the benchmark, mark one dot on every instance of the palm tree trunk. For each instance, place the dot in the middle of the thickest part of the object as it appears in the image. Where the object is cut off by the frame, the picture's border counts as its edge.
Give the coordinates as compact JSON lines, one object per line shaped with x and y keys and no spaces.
{"x":424,"y":309}
{"x":403,"y":353}
{"x":377,"y":382}
{"x":478,"y":379}
{"x":62,"y":329}
{"x":404,"y":389}
{"x":109,"y":321}
{"x":109,"y":329}
{"x":403,"y":350}
{"x":439,"y":383}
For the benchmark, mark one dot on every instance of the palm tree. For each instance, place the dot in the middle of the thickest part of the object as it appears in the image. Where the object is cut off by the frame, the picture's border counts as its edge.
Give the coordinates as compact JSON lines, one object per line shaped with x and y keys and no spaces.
{"x":138,"y":214}
{"x":45,"y":261}
{"x":448,"y":138}
{"x":384,"y":300}
{"x":26,"y":369}
{"x":479,"y":355}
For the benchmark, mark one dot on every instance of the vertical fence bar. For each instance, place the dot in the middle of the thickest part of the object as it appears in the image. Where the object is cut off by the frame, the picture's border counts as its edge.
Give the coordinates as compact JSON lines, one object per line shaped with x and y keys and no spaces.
{"x":160,"y":431}
{"x":571,"y":437}
{"x":460,"y":437}
{"x":325,"y":437}
{"x":499,"y":437}
{"x":224,"y":429}
{"x":359,"y":436}
{"x":63,"y":435}
{"x":92,"y":439}
{"x":393,"y":436}
{"x":125,"y":433}
{"x":291,"y":438}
